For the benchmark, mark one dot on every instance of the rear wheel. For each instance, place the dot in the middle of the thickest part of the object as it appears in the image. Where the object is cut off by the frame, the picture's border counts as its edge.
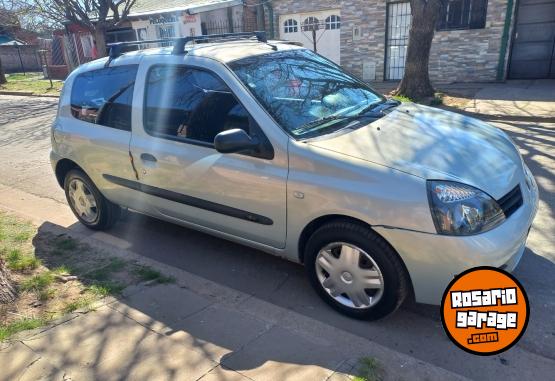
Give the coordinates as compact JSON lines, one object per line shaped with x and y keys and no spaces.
{"x":87,"y":203}
{"x":355,"y":271}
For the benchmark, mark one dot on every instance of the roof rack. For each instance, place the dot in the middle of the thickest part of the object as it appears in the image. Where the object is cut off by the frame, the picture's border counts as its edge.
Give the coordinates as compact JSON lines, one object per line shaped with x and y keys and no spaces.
{"x":180,"y":42}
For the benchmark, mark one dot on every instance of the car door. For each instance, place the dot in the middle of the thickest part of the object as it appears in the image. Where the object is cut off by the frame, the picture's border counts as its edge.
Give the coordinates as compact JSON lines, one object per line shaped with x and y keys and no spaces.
{"x":181,"y":174}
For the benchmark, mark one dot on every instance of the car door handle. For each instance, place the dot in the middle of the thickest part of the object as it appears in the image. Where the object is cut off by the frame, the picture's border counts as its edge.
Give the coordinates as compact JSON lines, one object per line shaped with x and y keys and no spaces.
{"x":148,"y":157}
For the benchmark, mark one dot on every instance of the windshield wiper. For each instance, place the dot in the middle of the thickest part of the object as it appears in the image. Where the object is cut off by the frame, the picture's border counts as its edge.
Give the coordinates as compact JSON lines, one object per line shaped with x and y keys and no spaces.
{"x":380,"y":107}
{"x":367,"y":112}
{"x":320,"y":121}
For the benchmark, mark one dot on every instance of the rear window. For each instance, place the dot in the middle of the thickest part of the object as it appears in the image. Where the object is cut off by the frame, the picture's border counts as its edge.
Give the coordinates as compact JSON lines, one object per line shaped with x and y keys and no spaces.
{"x":105,"y":96}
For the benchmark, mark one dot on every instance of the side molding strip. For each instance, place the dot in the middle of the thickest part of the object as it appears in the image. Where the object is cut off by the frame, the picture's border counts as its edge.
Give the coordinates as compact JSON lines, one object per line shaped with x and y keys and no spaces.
{"x":189,"y":200}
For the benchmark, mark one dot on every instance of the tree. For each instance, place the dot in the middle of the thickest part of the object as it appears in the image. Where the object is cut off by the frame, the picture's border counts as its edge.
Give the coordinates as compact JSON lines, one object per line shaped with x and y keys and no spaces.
{"x":24,"y":14}
{"x":2,"y":76}
{"x":7,"y":291}
{"x":416,"y":81}
{"x":96,"y":16}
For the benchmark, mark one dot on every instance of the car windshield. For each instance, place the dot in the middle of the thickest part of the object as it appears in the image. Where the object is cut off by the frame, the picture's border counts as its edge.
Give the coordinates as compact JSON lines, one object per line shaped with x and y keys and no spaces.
{"x":304,"y":92}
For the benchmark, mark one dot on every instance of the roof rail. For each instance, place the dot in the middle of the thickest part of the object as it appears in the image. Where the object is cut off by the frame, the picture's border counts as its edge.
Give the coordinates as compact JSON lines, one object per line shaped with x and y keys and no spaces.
{"x":180,"y":42}
{"x":115,"y":48}
{"x":179,"y":45}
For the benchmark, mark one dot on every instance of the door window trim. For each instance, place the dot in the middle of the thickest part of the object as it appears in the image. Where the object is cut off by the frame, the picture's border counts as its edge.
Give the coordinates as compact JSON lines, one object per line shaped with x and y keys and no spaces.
{"x":135,"y":67}
{"x":189,"y":140}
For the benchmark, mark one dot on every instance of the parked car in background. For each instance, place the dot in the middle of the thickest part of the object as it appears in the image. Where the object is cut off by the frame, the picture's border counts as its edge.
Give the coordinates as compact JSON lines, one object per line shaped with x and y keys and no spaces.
{"x":273,"y":146}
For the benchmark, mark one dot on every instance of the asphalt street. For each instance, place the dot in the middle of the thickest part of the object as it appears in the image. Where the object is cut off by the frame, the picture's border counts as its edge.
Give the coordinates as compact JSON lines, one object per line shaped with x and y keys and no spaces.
{"x":415,"y":329}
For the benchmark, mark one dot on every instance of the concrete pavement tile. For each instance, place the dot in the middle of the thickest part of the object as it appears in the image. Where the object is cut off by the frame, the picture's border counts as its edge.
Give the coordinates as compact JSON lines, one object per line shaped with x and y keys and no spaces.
{"x":219,"y":330}
{"x":281,"y":354}
{"x":14,"y":359}
{"x":107,"y":345}
{"x":162,"y":308}
{"x":158,"y":358}
{"x":91,"y":339}
{"x":262,"y":309}
{"x":340,"y":377}
{"x":41,"y":370}
{"x":222,"y":374}
{"x":345,"y":371}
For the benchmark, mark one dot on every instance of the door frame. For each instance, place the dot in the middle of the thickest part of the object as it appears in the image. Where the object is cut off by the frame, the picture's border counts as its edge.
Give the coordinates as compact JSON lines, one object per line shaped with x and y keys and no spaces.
{"x":512,"y":44}
{"x":274,"y":134}
{"x":385,"y":56}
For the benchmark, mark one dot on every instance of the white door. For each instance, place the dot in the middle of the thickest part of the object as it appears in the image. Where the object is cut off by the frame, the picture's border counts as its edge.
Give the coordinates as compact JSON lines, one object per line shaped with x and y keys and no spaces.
{"x":319,"y":31}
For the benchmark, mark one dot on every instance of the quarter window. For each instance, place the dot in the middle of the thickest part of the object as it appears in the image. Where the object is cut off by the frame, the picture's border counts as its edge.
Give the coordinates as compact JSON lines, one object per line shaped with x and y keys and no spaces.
{"x":290,"y":26}
{"x":190,"y":104}
{"x":333,"y":22}
{"x":104,"y":96}
{"x":462,"y":14}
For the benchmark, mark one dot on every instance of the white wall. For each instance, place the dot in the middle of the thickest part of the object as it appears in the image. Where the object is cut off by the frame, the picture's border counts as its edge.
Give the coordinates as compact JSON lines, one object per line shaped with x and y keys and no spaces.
{"x":185,"y":25}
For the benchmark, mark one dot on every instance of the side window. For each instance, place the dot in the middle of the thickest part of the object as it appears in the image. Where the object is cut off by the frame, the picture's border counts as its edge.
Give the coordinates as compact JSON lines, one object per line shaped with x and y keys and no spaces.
{"x":187,"y":103}
{"x":104,"y":96}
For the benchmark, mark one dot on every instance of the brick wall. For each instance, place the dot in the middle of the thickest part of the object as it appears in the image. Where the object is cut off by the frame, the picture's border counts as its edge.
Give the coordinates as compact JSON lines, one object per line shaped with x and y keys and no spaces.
{"x":457,"y":56}
{"x":469,"y":55}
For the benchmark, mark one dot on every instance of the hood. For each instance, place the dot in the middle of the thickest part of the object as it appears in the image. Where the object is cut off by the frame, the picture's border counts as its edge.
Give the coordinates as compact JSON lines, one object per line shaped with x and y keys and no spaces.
{"x":434,"y":144}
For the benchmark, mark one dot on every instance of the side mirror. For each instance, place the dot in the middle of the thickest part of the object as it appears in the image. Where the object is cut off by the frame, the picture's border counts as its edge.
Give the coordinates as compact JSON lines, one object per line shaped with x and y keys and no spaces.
{"x":235,"y":140}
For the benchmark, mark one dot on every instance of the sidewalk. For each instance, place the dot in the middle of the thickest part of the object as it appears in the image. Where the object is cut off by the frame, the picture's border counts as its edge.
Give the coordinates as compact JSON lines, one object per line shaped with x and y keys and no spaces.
{"x":534,"y":99}
{"x":194,"y":329}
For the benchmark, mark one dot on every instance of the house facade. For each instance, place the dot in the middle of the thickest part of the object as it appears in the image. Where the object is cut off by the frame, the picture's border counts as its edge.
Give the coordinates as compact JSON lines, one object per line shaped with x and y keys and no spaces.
{"x":155,"y":20}
{"x":475,"y":40}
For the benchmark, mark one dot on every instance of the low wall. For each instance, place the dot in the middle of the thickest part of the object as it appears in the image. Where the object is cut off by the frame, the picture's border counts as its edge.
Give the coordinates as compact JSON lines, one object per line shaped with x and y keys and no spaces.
{"x":57,"y":71}
{"x":11,"y":62}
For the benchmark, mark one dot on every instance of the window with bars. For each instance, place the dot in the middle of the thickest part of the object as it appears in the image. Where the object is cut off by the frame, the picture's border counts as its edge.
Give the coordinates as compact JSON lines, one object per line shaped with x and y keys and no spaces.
{"x":290,"y":26}
{"x":398,"y":27}
{"x":462,"y":14}
{"x":310,"y":23}
{"x":166,"y":32}
{"x":333,"y":22}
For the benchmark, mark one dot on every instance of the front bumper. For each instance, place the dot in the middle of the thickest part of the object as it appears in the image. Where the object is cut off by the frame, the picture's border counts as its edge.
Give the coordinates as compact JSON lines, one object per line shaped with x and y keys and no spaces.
{"x":433,"y":260}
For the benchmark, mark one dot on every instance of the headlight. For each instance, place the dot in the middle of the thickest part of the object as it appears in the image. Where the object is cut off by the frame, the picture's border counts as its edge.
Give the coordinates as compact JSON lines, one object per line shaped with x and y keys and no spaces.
{"x":459,"y":209}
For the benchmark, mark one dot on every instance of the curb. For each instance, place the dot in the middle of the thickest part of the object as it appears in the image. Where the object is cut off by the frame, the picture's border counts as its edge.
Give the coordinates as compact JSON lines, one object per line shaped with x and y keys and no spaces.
{"x":28,"y":94}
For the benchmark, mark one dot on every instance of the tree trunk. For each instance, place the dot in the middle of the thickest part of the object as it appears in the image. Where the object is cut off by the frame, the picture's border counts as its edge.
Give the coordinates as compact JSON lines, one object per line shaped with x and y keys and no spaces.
{"x":2,"y":76}
{"x":100,"y":39}
{"x":7,"y":291}
{"x":416,"y":81}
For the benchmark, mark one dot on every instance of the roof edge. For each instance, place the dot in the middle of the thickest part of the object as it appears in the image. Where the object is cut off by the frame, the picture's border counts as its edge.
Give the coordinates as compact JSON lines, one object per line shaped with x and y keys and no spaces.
{"x":192,"y":9}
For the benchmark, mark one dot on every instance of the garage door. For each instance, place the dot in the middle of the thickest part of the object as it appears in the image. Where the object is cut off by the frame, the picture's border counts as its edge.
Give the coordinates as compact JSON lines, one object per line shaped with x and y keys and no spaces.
{"x":533,"y":52}
{"x":319,"y":31}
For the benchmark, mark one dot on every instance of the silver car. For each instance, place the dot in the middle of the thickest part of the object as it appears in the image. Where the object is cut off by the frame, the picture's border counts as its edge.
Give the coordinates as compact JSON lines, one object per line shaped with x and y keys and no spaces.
{"x":270,"y":145}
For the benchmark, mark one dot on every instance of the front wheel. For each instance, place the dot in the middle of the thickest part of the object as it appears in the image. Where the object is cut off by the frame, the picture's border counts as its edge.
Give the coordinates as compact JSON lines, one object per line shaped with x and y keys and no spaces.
{"x":87,"y":203}
{"x":355,"y":271}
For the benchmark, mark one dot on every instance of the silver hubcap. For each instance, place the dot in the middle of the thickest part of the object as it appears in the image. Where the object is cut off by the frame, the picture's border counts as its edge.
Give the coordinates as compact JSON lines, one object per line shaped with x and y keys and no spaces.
{"x":349,"y":275}
{"x":82,"y":200}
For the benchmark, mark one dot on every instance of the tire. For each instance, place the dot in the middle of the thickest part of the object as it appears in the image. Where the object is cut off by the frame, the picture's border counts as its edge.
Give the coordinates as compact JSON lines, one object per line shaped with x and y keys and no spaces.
{"x":103,"y":215}
{"x":331,"y":245}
